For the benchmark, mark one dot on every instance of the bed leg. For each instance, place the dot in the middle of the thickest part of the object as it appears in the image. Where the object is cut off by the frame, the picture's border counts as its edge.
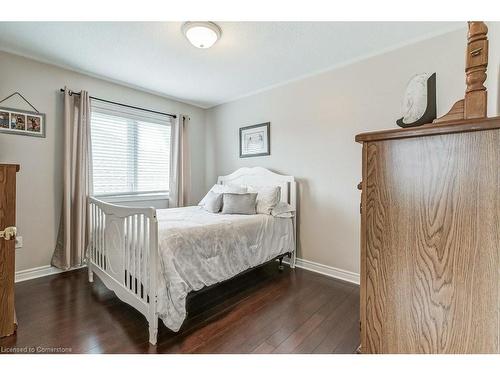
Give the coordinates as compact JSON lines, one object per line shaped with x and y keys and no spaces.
{"x":153,"y":330}
{"x":280,"y":267}
{"x":292,"y":259}
{"x":91,"y":273}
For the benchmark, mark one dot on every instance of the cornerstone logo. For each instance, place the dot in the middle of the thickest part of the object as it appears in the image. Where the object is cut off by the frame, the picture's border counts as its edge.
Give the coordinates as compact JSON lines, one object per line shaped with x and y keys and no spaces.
{"x":34,"y":349}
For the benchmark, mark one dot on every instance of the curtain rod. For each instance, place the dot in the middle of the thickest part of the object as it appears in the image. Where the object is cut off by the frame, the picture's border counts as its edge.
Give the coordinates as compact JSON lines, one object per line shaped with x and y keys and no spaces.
{"x":121,"y":104}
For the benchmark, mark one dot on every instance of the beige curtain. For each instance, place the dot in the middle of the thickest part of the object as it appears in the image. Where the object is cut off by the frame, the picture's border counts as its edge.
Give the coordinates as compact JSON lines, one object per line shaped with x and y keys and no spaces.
{"x":179,"y":163}
{"x":73,"y":227}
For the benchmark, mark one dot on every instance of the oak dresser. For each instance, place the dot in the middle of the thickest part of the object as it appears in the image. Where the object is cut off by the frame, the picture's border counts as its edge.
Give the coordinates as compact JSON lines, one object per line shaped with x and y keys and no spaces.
{"x":430,"y":239}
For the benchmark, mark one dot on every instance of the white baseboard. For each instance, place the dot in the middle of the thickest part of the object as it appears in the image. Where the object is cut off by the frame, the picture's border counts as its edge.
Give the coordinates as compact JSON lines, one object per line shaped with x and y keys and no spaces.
{"x":33,"y":273}
{"x":336,"y":273}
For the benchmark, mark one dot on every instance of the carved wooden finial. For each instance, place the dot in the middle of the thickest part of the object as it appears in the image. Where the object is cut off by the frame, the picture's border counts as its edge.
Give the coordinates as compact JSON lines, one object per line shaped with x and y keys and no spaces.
{"x":474,"y":105}
{"x":476,"y":64}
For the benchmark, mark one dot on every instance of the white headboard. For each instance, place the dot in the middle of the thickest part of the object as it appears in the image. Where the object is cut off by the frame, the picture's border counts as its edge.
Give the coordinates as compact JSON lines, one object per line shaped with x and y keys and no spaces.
{"x":259,"y":176}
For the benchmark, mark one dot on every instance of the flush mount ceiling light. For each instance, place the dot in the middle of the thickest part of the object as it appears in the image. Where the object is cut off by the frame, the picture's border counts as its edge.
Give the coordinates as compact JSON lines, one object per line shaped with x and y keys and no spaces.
{"x":202,"y":34}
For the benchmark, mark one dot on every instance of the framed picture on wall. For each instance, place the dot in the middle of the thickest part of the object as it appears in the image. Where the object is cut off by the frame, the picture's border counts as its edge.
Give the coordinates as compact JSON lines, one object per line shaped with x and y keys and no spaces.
{"x":255,"y":140}
{"x":15,"y":121}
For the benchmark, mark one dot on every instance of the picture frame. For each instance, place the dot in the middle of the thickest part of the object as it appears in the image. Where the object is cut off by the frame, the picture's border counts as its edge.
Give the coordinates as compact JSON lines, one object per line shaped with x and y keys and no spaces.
{"x":21,"y":122}
{"x":255,"y":140}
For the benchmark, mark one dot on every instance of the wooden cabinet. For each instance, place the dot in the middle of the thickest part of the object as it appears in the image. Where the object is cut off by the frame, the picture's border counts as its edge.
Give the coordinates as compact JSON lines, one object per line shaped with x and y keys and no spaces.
{"x":430,"y":239}
{"x":7,"y":248}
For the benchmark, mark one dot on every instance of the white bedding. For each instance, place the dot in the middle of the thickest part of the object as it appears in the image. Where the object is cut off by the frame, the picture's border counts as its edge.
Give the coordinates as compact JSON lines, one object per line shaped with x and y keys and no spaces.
{"x":198,"y":248}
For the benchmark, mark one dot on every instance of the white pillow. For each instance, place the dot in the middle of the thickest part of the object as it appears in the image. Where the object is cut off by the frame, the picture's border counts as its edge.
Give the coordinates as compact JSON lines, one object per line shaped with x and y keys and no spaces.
{"x":213,"y":202}
{"x":283,"y":209}
{"x":267,"y":197}
{"x":221,"y":189}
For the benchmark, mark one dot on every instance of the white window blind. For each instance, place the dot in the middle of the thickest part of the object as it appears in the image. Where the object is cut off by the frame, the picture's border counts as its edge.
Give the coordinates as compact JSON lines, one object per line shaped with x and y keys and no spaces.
{"x":130,"y":150}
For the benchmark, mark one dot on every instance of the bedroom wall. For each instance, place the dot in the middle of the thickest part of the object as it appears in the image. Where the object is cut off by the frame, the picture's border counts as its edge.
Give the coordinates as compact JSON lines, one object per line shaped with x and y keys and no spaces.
{"x":39,"y":189}
{"x":313,"y":124}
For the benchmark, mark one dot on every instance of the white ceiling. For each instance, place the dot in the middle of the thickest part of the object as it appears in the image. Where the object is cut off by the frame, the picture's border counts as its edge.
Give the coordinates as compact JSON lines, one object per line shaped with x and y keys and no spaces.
{"x":250,"y":57}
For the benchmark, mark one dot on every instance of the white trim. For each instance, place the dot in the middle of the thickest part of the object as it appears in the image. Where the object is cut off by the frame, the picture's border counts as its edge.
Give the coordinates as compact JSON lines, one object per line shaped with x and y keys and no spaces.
{"x":36,"y":272}
{"x":336,"y":273}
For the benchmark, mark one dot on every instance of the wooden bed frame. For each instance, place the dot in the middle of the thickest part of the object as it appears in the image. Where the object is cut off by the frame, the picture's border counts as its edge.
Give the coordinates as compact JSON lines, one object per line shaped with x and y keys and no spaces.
{"x":123,"y":243}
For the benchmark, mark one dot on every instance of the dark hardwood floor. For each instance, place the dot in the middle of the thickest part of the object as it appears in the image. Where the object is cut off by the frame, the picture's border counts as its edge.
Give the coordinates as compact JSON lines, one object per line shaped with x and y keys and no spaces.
{"x":262,"y":311}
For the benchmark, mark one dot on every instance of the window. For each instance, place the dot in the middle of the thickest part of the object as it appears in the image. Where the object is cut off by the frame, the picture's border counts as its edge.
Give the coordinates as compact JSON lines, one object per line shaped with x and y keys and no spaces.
{"x":130,"y":150}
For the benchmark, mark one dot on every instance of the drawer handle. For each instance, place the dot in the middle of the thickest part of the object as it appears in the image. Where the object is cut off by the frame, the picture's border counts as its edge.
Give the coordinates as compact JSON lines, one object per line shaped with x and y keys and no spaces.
{"x":8,"y":233}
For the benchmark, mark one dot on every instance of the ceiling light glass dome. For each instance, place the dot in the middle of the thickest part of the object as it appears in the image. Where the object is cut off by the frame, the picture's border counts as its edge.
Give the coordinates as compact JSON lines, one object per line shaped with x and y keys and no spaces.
{"x":202,"y":34}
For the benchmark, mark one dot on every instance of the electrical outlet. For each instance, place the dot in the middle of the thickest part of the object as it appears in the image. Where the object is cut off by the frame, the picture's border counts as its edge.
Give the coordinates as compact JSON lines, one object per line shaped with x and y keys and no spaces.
{"x":19,"y":242}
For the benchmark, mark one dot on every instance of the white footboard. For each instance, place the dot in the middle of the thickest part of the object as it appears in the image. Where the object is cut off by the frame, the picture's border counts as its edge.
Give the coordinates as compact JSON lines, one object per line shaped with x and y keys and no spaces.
{"x":123,"y":252}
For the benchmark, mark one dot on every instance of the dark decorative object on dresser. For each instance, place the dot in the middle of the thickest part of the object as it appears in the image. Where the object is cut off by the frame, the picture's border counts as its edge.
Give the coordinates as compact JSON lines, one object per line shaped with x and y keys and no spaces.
{"x":419,"y":103}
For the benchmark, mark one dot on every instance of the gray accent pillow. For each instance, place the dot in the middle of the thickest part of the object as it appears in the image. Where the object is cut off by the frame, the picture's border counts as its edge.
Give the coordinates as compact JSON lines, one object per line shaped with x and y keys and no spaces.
{"x":213,"y":202}
{"x":243,"y":204}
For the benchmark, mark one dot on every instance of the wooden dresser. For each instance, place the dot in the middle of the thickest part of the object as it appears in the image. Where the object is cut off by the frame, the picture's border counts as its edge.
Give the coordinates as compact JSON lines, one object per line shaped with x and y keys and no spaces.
{"x":430,"y":239}
{"x":7,"y":248}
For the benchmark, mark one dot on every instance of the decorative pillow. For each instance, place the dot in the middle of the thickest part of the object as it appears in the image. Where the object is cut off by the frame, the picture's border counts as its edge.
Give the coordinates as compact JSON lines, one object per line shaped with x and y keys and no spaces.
{"x":220,"y":189}
{"x":213,"y":202}
{"x":283,"y":209}
{"x":243,"y":204}
{"x":267,"y":197}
